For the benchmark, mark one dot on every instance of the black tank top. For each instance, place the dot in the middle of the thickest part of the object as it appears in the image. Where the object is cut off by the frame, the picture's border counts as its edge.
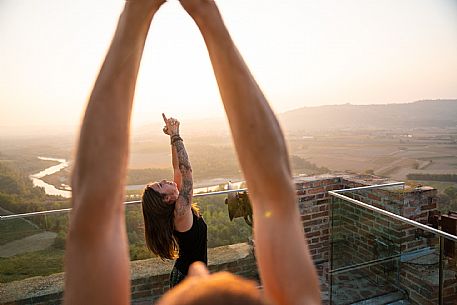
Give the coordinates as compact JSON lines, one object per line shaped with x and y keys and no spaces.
{"x":192,"y":244}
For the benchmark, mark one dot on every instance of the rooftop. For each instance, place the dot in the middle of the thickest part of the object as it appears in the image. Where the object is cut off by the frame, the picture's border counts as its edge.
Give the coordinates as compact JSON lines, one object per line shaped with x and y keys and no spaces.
{"x":373,"y":240}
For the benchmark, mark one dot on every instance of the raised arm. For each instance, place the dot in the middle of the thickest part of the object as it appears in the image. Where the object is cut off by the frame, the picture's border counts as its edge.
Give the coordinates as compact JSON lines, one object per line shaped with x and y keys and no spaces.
{"x":183,"y":213}
{"x":177,"y":177}
{"x":285,"y":265}
{"x":97,"y":260}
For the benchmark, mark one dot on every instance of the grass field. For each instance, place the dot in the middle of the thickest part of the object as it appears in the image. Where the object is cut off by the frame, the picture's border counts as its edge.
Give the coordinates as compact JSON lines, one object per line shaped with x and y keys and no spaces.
{"x":386,"y":154}
{"x":41,"y":263}
{"x":440,"y":186}
{"x":15,"y":229}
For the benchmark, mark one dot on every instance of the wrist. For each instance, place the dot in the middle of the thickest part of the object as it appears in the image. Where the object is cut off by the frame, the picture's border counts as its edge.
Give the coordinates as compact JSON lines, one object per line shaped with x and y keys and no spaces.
{"x":175,"y":138}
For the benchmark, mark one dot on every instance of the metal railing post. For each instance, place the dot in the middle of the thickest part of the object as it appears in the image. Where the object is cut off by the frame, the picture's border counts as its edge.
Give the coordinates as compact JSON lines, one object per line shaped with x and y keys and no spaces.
{"x":441,"y":271}
{"x":330,"y":275}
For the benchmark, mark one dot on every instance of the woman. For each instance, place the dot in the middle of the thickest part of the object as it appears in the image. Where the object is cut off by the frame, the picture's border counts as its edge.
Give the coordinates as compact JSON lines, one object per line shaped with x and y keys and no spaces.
{"x":173,"y":226}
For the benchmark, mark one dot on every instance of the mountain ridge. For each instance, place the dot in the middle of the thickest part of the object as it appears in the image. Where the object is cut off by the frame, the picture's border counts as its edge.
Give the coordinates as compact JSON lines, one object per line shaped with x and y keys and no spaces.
{"x":424,"y":113}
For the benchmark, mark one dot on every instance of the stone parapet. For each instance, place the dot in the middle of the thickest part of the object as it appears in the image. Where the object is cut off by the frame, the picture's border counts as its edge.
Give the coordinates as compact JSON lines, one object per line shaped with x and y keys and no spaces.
{"x":149,"y":278}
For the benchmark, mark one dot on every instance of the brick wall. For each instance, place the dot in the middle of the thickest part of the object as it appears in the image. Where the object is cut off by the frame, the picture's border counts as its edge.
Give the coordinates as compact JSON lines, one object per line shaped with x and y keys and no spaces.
{"x":313,"y":201}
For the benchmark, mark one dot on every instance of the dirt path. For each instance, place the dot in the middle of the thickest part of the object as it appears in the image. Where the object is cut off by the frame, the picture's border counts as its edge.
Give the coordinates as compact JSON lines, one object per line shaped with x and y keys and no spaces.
{"x":31,"y":243}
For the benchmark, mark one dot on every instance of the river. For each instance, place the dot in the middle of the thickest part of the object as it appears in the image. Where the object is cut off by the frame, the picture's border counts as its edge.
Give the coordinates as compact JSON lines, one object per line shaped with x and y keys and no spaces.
{"x":212,"y":184}
{"x":49,"y":188}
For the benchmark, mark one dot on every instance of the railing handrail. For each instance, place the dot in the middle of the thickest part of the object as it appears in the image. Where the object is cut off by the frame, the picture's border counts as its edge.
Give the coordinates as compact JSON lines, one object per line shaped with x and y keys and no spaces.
{"x":58,"y":211}
{"x":366,"y":187}
{"x":335,"y":193}
{"x":395,"y":216}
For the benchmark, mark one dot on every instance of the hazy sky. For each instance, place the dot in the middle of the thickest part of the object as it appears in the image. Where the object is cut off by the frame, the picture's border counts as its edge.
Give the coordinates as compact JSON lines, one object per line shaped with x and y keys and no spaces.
{"x":303,"y":53}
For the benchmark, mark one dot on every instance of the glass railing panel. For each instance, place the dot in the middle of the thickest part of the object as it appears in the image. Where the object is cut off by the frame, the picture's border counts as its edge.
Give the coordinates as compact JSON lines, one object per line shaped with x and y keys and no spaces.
{"x":230,"y":243}
{"x":135,"y":232}
{"x":365,"y":254}
{"x":32,"y":246}
{"x":380,"y":260}
{"x":221,"y":230}
{"x":420,"y":265}
{"x":449,"y":273}
{"x":361,"y":284}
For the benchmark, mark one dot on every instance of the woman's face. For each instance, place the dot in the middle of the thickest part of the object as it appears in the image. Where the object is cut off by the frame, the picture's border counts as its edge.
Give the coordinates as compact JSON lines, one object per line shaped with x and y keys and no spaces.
{"x":166,"y":188}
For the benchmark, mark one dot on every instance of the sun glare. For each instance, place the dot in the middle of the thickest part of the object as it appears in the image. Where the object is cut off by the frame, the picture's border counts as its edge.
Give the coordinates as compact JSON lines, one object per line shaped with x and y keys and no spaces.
{"x":302,"y":53}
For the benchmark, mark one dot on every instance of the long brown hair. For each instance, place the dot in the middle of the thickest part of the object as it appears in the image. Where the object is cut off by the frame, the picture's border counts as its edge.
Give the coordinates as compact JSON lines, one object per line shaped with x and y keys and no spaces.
{"x":159,"y":224}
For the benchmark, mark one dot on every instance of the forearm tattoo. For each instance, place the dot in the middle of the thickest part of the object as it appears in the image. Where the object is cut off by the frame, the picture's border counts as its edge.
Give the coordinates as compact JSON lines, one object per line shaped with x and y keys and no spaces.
{"x":185,"y":193}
